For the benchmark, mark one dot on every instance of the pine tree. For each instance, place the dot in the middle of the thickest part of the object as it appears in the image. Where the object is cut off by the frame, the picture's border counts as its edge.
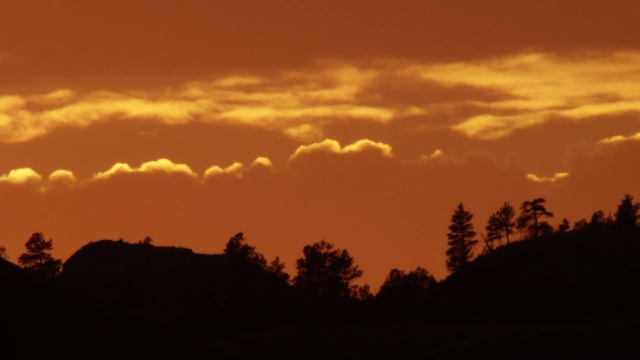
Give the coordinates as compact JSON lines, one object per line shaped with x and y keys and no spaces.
{"x":38,"y":258}
{"x":564,"y":226}
{"x":530,"y":219}
{"x":627,"y":213}
{"x":501,"y":224}
{"x":237,"y":248}
{"x":461,"y":239}
{"x":325,"y":270}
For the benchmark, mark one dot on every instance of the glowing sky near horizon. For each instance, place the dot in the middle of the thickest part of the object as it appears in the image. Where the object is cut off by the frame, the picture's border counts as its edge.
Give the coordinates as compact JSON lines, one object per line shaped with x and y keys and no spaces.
{"x":363,"y":123}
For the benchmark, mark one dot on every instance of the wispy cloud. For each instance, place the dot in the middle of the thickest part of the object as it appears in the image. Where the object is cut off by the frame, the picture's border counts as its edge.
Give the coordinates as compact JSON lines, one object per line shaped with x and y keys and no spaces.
{"x":541,"y":85}
{"x":297,"y":103}
{"x":620,"y":138}
{"x":487,"y":99}
{"x":554,"y":178}
{"x":437,"y":154}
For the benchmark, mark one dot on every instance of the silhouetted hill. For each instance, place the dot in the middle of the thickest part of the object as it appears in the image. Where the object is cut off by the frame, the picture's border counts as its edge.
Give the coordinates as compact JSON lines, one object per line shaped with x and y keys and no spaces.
{"x":561,"y":277}
{"x":38,"y":318}
{"x":566,"y":294}
{"x":177,"y":289}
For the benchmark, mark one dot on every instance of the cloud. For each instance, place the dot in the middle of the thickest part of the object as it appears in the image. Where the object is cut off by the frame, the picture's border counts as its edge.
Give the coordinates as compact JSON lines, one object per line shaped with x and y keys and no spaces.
{"x":262,"y":161}
{"x":67,"y":177}
{"x":620,"y":138}
{"x":118,"y":168}
{"x":10,"y":103}
{"x":54,"y":98}
{"x":490,"y":127}
{"x":437,"y":154}
{"x":62,"y":176}
{"x":156,"y":166}
{"x":484,"y":98}
{"x":235,"y":81}
{"x":287,"y":102}
{"x":235,"y":169}
{"x":21,"y":176}
{"x":554,"y":178}
{"x":333,"y":146}
{"x":541,"y":85}
{"x":304,"y":133}
{"x":166,"y":166}
{"x":367,"y":145}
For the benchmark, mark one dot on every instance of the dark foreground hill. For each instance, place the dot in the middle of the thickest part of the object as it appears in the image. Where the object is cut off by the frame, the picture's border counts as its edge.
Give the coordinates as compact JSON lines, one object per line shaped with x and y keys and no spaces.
{"x":591,"y":275}
{"x":177,"y":288}
{"x":568,"y":295}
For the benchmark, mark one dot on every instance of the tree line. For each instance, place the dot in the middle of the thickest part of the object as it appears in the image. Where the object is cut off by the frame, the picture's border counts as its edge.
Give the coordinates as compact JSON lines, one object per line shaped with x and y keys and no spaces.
{"x":530,"y":224}
{"x":329,"y":271}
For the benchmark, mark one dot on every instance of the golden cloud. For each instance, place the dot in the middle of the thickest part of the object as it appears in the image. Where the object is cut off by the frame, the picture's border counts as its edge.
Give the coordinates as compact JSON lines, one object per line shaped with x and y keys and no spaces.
{"x":156,"y":166}
{"x":166,"y":166}
{"x":541,"y":85}
{"x":333,"y":146}
{"x":118,"y":168}
{"x":437,"y":154}
{"x":62,"y":176}
{"x":234,"y":169}
{"x":554,"y":178}
{"x":54,"y":98}
{"x":262,"y":161}
{"x":533,"y":88}
{"x":21,"y":176}
{"x":620,"y":138}
{"x":304,"y":133}
{"x":284,"y":102}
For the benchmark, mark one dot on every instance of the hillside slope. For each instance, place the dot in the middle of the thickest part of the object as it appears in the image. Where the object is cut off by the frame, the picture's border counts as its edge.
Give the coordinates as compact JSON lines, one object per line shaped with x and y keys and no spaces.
{"x":562,"y":277}
{"x":178,"y":289}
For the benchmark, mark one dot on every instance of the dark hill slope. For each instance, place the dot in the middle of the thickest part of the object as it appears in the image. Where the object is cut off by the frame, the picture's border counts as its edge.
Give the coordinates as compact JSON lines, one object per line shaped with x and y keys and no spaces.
{"x":20,"y":294}
{"x":38,"y":317}
{"x":563,"y":277}
{"x":178,"y":290}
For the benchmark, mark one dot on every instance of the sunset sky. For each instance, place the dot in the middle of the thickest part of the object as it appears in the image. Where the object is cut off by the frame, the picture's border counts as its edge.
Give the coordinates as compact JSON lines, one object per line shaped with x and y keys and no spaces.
{"x":360,"y":122}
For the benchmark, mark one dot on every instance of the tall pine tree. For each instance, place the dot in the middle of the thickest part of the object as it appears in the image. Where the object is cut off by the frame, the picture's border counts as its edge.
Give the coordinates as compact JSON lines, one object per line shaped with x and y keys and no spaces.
{"x":461,"y":239}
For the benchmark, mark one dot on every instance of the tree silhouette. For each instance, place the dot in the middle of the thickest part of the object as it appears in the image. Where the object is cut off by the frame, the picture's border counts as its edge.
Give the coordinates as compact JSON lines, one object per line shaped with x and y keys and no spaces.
{"x":146,"y":241}
{"x":3,"y":252}
{"x":402,"y":285}
{"x":580,"y":225}
{"x":627,"y":213}
{"x":564,"y":226}
{"x":461,"y":239}
{"x":38,"y":258}
{"x":501,"y":224}
{"x":599,"y":221}
{"x":362,"y":293}
{"x":529,"y":221}
{"x":325,"y":270}
{"x":237,"y":248}
{"x":277,"y":268}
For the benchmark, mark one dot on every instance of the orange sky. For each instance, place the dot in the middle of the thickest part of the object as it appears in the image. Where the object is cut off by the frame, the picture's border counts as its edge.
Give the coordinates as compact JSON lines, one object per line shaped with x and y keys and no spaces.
{"x":363,"y":123}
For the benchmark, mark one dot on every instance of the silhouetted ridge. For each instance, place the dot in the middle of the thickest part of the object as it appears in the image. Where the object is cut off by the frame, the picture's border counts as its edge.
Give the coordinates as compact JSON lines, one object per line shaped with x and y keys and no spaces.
{"x":574,"y":276}
{"x":177,"y":289}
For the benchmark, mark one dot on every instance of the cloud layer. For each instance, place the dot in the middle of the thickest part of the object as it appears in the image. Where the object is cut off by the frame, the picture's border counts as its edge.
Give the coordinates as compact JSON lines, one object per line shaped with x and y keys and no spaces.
{"x":488,"y":99}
